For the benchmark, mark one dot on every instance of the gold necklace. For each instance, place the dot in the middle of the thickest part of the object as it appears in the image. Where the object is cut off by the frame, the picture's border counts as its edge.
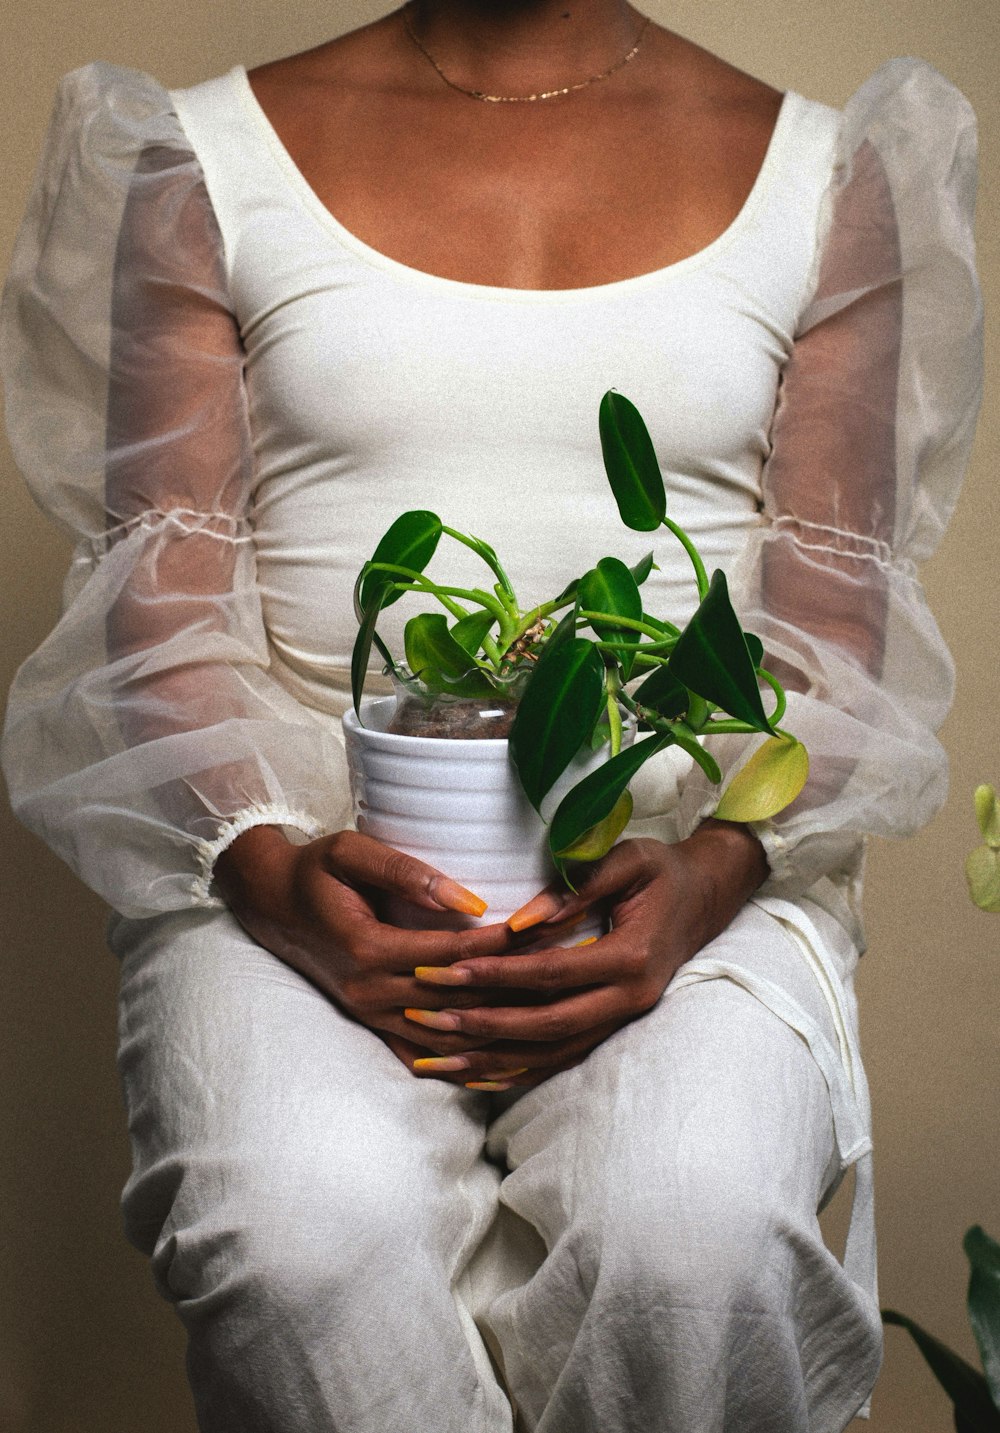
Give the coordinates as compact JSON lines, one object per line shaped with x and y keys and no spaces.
{"x":522,"y":99}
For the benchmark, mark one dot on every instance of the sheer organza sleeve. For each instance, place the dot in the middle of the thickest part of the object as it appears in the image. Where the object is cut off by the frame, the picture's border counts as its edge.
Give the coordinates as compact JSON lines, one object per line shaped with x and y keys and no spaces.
{"x":147,"y":731}
{"x":871,"y":434}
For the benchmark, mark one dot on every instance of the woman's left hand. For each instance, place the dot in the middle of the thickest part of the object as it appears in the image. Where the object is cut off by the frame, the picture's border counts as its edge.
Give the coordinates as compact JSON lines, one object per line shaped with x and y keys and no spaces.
{"x":665,"y":903}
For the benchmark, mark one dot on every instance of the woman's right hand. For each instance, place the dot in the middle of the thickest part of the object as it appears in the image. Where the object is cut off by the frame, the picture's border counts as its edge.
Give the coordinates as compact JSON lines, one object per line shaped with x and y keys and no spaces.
{"x":313,"y":906}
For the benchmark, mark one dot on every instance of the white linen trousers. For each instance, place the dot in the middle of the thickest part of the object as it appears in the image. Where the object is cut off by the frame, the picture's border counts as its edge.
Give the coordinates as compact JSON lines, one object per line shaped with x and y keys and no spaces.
{"x":635,"y":1240}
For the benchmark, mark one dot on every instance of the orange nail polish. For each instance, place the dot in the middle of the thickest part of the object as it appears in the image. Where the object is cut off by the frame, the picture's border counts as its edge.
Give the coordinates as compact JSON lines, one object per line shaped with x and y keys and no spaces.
{"x":504,"y":1074}
{"x":589,"y":941}
{"x":435,"y":1019}
{"x":443,"y":974}
{"x":540,"y":908}
{"x":450,"y":894}
{"x":442,"y":1062}
{"x":489,"y":1085}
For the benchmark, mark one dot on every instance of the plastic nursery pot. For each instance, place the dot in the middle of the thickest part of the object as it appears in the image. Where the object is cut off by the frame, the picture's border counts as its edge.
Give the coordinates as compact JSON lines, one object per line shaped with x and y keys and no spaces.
{"x":457,"y":805}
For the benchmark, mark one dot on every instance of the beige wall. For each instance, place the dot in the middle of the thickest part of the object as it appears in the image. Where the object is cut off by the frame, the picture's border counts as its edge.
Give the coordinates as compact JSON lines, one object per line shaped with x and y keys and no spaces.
{"x":84,"y":1344}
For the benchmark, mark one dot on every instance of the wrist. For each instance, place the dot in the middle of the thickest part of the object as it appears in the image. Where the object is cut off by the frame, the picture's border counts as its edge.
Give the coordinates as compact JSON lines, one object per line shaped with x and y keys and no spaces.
{"x":732,"y":865}
{"x":240,"y":866}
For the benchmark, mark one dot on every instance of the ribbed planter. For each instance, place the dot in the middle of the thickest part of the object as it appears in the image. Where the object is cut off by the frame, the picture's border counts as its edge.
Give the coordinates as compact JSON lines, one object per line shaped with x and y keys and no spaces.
{"x":458,"y":806}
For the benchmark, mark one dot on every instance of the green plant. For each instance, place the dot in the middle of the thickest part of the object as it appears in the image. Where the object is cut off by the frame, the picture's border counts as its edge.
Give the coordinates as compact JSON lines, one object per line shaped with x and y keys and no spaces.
{"x":974,"y":1395}
{"x":982,"y":867}
{"x":572,"y":689}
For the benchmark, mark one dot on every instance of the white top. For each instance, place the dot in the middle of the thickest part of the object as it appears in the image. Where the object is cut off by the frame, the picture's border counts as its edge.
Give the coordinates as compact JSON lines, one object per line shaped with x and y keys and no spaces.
{"x":228,"y":397}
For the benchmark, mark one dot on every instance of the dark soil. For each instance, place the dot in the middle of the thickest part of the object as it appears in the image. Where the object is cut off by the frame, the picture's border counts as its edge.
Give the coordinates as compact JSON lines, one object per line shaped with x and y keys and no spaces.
{"x":456,"y":720}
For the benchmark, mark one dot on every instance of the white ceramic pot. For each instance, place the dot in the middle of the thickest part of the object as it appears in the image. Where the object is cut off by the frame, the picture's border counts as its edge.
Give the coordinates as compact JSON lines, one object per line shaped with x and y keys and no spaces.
{"x":458,"y":806}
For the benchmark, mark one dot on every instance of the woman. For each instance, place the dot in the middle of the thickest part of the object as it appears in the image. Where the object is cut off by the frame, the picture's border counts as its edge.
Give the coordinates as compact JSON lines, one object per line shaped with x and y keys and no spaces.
{"x":532,"y":205}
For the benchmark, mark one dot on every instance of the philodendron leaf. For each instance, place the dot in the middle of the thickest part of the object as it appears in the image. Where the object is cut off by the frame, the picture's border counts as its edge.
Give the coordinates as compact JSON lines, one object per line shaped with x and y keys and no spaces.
{"x":410,"y":542}
{"x":556,"y":713}
{"x":630,"y":463}
{"x":964,"y":1385}
{"x":982,"y":872}
{"x":441,"y":663}
{"x":594,"y":798}
{"x":712,"y":658}
{"x":363,"y":646}
{"x":770,"y":780}
{"x":984,"y":1302}
{"x":663,"y":693}
{"x":597,"y":842}
{"x":641,"y":569}
{"x":988,"y":815}
{"x":610,"y":587}
{"x":469,"y":631}
{"x":755,"y":647}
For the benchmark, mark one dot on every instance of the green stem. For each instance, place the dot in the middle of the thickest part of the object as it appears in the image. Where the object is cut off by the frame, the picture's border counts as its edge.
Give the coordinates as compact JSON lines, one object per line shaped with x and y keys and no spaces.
{"x":487,"y":554}
{"x":779,"y":692}
{"x":614,"y":711}
{"x":611,"y":619}
{"x":699,"y":567}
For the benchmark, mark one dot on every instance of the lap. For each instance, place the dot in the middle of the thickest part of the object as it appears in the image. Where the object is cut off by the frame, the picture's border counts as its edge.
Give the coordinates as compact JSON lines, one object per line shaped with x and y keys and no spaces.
{"x":225,"y":1049}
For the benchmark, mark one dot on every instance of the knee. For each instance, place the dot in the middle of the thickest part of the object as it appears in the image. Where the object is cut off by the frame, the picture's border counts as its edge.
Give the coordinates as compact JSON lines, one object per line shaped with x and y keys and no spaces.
{"x":282,"y":1234}
{"x":709,"y":1243}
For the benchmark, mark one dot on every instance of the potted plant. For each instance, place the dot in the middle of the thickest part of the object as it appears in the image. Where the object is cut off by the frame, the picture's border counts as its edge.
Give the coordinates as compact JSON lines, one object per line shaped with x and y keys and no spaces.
{"x":975,"y":1395}
{"x":540,"y":717}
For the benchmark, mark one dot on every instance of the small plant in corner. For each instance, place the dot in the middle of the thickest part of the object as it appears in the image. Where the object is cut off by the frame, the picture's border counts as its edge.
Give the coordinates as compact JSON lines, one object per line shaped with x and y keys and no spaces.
{"x":975,"y":1395}
{"x":578,"y":670}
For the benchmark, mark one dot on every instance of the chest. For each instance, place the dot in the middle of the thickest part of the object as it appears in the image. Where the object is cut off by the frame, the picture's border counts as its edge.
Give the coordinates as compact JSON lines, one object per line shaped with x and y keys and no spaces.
{"x":550,"y":196}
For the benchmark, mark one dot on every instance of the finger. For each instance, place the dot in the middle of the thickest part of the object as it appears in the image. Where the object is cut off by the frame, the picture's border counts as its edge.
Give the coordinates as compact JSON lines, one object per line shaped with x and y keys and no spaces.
{"x":358,"y":859}
{"x":627,"y":867}
{"x":559,"y":1020}
{"x":600,"y":961}
{"x":350,"y":925}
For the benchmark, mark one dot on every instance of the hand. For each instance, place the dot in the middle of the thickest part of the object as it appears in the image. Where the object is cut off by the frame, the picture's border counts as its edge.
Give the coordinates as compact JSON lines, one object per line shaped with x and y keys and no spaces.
{"x":313,"y":906}
{"x":666,"y":903}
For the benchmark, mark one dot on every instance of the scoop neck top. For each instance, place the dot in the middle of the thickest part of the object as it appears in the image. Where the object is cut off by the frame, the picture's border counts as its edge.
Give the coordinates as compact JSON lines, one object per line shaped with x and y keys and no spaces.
{"x":260,"y":128}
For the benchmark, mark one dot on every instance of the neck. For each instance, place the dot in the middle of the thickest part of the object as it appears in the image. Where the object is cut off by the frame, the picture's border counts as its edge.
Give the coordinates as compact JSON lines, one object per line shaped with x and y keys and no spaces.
{"x":519,"y":46}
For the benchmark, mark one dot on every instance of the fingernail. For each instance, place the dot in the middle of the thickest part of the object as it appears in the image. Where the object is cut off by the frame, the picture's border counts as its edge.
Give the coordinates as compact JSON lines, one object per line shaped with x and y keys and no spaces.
{"x":444,"y":974}
{"x":434,"y":1019}
{"x":504,"y":1075}
{"x":454,"y":897}
{"x":589,"y":941}
{"x":540,"y":908}
{"x":442,"y":1062}
{"x":491,"y":1085}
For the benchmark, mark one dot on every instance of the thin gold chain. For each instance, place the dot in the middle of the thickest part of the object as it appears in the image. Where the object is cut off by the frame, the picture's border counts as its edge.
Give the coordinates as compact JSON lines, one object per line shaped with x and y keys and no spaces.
{"x":521,"y":99}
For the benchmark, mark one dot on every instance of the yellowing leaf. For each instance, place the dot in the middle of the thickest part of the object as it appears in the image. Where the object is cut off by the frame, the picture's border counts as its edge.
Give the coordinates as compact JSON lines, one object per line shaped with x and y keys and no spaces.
{"x":988,"y":815}
{"x":597,"y":842}
{"x":772,"y":778}
{"x":982,"y":871}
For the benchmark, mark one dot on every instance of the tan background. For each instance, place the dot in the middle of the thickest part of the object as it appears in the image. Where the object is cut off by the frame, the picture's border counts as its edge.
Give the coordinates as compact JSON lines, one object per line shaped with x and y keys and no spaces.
{"x":85,"y":1346}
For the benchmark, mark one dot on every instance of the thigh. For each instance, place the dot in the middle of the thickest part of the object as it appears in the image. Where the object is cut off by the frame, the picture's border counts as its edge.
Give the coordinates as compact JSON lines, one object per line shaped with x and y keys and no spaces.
{"x":708,"y":1096}
{"x":254,"y":1102}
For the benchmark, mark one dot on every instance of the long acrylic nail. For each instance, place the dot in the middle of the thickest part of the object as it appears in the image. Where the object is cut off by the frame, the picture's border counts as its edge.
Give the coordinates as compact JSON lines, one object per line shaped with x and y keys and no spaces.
{"x":444,"y":974}
{"x":453,"y":897}
{"x":491,"y":1086}
{"x":591,"y":940}
{"x":435,"y":1019}
{"x":540,"y":908}
{"x":504,"y":1074}
{"x":442,"y":1062}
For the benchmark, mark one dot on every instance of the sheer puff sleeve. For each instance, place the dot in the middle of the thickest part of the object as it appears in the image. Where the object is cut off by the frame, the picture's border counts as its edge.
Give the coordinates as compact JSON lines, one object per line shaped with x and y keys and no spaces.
{"x":872,"y":430}
{"x":146,"y":732}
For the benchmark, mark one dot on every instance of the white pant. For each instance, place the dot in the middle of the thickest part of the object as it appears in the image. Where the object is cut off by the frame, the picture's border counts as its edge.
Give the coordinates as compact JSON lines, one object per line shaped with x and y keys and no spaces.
{"x":635,"y":1240}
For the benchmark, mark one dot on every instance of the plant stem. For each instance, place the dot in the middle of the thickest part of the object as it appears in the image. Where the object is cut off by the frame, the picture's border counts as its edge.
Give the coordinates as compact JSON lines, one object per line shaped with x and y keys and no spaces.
{"x":779,"y":692}
{"x":483,"y":550}
{"x":611,"y":686}
{"x":699,"y":567}
{"x":633,"y":624}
